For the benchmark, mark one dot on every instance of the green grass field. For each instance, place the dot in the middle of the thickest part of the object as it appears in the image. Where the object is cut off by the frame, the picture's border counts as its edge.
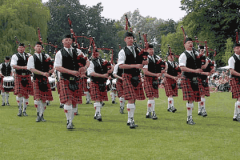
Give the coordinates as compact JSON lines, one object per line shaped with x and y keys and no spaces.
{"x":169,"y":137}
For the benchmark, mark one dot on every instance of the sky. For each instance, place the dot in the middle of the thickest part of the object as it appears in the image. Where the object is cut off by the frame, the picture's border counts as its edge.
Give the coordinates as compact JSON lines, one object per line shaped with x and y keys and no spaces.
{"x":115,"y":9}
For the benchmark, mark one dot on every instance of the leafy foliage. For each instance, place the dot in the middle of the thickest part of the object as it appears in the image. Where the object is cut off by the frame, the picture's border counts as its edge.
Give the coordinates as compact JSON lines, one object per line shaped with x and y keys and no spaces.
{"x":21,"y":18}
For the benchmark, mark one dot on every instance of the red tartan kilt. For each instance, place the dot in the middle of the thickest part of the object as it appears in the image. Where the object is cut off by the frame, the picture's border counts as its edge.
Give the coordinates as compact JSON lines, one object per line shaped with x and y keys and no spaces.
{"x":95,"y":93}
{"x":168,"y":87}
{"x":119,"y":87}
{"x":5,"y":89}
{"x":84,"y":83}
{"x":188,"y":93}
{"x":148,"y":88}
{"x":235,"y":87}
{"x":130,"y":92}
{"x":20,"y":89}
{"x":67,"y":95}
{"x":38,"y":94}
{"x":204,"y":90}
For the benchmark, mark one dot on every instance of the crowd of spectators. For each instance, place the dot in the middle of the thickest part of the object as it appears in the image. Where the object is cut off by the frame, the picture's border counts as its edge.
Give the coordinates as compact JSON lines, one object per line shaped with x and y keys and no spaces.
{"x":219,"y":81}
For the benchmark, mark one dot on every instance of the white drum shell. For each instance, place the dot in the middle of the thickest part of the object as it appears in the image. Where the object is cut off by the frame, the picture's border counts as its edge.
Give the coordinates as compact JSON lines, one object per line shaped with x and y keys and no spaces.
{"x":8,"y":82}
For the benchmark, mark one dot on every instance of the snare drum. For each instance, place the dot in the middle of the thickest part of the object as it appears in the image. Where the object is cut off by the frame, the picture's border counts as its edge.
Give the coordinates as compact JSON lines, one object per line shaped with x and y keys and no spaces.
{"x":8,"y":82}
{"x":52,"y":82}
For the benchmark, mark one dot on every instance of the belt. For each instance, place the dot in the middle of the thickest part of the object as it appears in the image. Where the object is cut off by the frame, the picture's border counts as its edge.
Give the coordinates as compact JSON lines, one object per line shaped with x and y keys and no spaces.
{"x":23,"y":74}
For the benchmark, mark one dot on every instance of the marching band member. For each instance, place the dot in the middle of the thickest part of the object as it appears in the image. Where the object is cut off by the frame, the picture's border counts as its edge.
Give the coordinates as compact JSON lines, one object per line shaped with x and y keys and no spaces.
{"x":98,"y":90}
{"x":234,"y":64}
{"x":203,"y":85}
{"x":70,"y":87}
{"x":190,"y":80}
{"x":38,"y":65}
{"x":117,"y":72}
{"x":170,"y":82}
{"x":23,"y":86}
{"x":132,"y":84}
{"x":5,"y":70}
{"x":151,"y":82}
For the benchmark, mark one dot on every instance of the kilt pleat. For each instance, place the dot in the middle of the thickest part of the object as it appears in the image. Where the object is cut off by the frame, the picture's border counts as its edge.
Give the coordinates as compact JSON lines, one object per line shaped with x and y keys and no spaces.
{"x":188,"y":93}
{"x":68,"y":95}
{"x":38,"y":94}
{"x":148,"y":87}
{"x":119,"y":87}
{"x":20,"y":89}
{"x":235,"y":87}
{"x":95,"y":93}
{"x":204,"y":90}
{"x":168,"y":87}
{"x":130,"y":92}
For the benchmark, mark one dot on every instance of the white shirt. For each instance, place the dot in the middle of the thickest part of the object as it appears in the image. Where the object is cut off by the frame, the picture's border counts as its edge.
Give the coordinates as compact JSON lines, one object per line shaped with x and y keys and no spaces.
{"x":115,"y":70}
{"x":183,"y":58}
{"x":31,"y":64}
{"x":231,"y":61}
{"x":14,"y":58}
{"x":91,"y":67}
{"x":150,"y":57}
{"x":58,"y":57}
{"x":122,"y":56}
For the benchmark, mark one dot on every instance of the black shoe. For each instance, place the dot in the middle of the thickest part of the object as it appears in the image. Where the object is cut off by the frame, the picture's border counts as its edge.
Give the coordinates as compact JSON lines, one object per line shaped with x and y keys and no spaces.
{"x":190,"y":121}
{"x":154,"y":116}
{"x":48,"y":103}
{"x":199,"y":113}
{"x":61,"y":105}
{"x":70,"y":126}
{"x":235,"y":119}
{"x":113,"y":102}
{"x":148,"y":115}
{"x":121,"y":110}
{"x":98,"y":117}
{"x":204,"y":114}
{"x":94,"y":116}
{"x":174,"y":109}
{"x":3,"y":104}
{"x":88,"y":102}
{"x":132,"y":124}
{"x":19,"y":113}
{"x":169,"y":110}
{"x":128,"y":123}
{"x":42,"y":119}
{"x":38,"y":119}
{"x":25,"y":114}
{"x":8,"y":104}
{"x":103,"y":104}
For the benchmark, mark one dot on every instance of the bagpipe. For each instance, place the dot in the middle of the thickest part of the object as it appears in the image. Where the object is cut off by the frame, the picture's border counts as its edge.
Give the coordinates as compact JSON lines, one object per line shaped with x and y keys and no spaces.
{"x":49,"y":44}
{"x":49,"y":61}
{"x":92,"y":48}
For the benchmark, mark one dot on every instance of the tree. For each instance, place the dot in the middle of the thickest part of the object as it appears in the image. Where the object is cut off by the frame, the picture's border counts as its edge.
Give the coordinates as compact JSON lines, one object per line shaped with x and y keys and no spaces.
{"x":228,"y":51}
{"x":21,"y":18}
{"x":214,"y":21}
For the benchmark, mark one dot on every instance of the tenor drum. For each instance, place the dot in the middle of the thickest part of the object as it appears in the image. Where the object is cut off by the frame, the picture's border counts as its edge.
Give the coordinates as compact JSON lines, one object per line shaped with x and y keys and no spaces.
{"x":52,"y":82}
{"x":8,"y":82}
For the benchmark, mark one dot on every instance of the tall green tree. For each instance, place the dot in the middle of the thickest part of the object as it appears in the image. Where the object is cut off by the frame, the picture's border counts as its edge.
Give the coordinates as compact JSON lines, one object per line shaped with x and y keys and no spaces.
{"x":21,"y":18}
{"x":214,"y":21}
{"x":228,"y":51}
